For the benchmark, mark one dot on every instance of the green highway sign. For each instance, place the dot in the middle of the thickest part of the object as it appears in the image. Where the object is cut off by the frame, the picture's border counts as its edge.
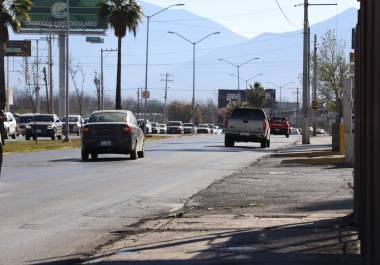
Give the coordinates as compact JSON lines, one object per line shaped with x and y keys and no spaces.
{"x":51,"y":15}
{"x":94,"y":39}
{"x":18,"y":48}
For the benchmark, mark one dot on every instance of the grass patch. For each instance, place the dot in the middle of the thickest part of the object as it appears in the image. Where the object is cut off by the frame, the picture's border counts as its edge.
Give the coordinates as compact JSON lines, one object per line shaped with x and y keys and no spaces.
{"x":32,"y":146}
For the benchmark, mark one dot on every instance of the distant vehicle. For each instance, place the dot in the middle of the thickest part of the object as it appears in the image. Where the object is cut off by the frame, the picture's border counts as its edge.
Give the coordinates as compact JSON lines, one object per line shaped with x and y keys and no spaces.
{"x":247,"y":125}
{"x":75,"y":123}
{"x":217,"y":130}
{"x":295,"y":131}
{"x":203,"y":129}
{"x":23,"y":120}
{"x":112,"y":132}
{"x":145,"y":126}
{"x":10,"y":126}
{"x":211,"y":127}
{"x":320,"y":131}
{"x":174,"y":127}
{"x":162,"y":128}
{"x":279,"y":126}
{"x":155,"y":128}
{"x":188,"y":128}
{"x":44,"y":125}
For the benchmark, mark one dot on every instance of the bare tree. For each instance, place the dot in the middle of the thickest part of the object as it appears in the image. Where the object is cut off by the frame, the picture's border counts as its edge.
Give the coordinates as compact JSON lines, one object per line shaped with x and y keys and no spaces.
{"x":76,"y":72}
{"x":98,"y":90}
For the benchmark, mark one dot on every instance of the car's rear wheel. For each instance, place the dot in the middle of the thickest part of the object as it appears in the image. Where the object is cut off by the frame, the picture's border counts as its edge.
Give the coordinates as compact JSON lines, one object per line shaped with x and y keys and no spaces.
{"x":94,"y":156}
{"x":53,"y":137}
{"x":268,"y":143}
{"x":287,"y":135}
{"x":27,"y":137}
{"x":264,"y":144}
{"x":141,"y":153}
{"x":134,"y":154}
{"x":59,"y":137}
{"x":228,"y":142}
{"x":14,"y":136}
{"x":84,"y":155}
{"x":34,"y":138}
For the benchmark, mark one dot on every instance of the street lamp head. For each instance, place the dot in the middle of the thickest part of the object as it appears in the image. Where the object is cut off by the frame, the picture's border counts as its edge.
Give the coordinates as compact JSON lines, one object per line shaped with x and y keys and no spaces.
{"x":179,"y":4}
{"x":215,"y":33}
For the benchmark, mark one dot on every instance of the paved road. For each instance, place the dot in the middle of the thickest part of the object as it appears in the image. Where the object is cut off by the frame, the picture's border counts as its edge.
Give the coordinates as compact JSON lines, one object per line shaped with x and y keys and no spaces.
{"x":54,"y":205}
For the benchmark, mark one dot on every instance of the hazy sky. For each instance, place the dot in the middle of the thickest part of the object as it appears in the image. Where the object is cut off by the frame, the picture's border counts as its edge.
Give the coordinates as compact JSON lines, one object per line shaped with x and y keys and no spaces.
{"x":251,"y":17}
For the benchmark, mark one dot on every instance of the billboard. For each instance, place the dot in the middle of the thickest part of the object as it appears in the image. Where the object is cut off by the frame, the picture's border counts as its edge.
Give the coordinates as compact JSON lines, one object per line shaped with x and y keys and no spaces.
{"x":51,"y":15}
{"x":225,"y":96}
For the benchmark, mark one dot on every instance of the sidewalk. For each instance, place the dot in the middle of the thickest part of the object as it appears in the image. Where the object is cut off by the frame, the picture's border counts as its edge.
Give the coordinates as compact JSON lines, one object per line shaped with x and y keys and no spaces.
{"x":269,"y":213}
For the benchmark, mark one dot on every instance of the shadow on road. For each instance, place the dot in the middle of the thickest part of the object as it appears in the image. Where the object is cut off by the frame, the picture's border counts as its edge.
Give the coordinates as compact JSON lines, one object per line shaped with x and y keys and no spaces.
{"x":308,"y":243}
{"x":100,"y":159}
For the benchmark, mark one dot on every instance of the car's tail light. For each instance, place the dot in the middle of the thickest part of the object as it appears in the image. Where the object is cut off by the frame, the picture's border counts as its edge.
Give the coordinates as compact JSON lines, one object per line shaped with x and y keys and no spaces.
{"x":264,"y":124}
{"x":85,"y":130}
{"x":127,"y":130}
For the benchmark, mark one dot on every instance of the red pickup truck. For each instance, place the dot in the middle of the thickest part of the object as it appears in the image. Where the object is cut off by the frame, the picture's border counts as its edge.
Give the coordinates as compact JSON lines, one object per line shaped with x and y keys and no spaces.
{"x":279,"y":126}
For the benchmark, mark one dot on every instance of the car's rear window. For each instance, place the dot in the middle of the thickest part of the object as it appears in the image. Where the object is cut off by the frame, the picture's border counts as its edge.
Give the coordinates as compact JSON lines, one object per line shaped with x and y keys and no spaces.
{"x":25,"y":119}
{"x":43,"y":118}
{"x":203,"y":126}
{"x":253,"y":114}
{"x":175,"y":124}
{"x":188,"y":125}
{"x":71,"y":119}
{"x":278,"y":119}
{"x":108,"y":117}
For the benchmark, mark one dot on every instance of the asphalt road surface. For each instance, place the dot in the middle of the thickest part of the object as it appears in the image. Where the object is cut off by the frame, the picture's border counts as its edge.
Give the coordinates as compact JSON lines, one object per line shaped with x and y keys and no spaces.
{"x":55,"y":206}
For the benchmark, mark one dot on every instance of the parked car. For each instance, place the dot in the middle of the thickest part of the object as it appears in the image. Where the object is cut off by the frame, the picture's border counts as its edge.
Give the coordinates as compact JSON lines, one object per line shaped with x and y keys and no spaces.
{"x":44,"y":125}
{"x":217,"y":130}
{"x":211,"y":127}
{"x":23,"y":121}
{"x":247,"y":125}
{"x":295,"y":131}
{"x":162,"y":128}
{"x":203,"y":129}
{"x":10,"y":126}
{"x":112,"y":132}
{"x":75,"y":123}
{"x":320,"y":131}
{"x":280,"y":126}
{"x":145,"y":125}
{"x":2,"y":132}
{"x":155,"y":128}
{"x":189,"y":128}
{"x":174,"y":127}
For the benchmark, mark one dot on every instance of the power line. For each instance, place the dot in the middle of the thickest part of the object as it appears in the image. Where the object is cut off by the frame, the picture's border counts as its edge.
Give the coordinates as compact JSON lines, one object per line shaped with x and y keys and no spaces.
{"x":285,"y":16}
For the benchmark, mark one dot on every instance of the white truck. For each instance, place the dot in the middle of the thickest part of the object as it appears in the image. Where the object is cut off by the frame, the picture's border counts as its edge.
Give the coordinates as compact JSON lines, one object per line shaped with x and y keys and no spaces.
{"x":247,"y":125}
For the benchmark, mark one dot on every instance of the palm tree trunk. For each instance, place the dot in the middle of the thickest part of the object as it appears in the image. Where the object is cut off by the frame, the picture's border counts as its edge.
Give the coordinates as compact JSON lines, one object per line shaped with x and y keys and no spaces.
{"x":2,"y":74}
{"x":118,"y":77}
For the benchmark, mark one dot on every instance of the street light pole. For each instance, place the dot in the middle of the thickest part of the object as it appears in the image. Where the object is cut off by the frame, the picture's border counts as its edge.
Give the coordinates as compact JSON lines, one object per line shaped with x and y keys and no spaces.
{"x":147,"y":50}
{"x":194,"y":44}
{"x":247,"y":80}
{"x":67,"y":139}
{"x":102,"y":51}
{"x":238,"y":66}
{"x":280,"y":87}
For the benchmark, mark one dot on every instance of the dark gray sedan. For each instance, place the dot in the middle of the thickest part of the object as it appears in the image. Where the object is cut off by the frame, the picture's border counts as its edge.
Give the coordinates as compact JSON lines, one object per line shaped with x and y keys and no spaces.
{"x":112,"y":132}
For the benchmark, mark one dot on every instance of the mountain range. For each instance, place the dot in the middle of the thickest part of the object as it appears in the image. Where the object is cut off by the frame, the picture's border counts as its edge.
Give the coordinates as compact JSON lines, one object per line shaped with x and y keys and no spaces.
{"x":280,"y":55}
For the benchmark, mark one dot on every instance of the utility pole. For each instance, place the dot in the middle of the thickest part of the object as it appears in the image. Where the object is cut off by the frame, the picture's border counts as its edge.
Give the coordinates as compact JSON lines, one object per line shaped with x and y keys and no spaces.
{"x":102,"y":51}
{"x":7,"y":105}
{"x":50,"y":73}
{"x":166,"y":80}
{"x":47,"y":89}
{"x":37,"y":85}
{"x":138,"y":104}
{"x":315,"y":85}
{"x":62,"y":56}
{"x":306,"y":72}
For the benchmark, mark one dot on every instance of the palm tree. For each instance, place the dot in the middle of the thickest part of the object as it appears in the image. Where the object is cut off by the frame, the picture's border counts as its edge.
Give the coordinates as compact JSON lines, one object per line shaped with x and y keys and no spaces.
{"x":122,"y":15}
{"x":12,"y":13}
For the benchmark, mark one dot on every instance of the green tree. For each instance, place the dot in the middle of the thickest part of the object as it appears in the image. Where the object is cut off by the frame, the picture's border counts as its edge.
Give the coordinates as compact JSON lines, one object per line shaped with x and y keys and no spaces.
{"x":122,"y":15}
{"x":12,"y":13}
{"x":256,"y":96}
{"x":232,"y":106}
{"x":333,"y":69}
